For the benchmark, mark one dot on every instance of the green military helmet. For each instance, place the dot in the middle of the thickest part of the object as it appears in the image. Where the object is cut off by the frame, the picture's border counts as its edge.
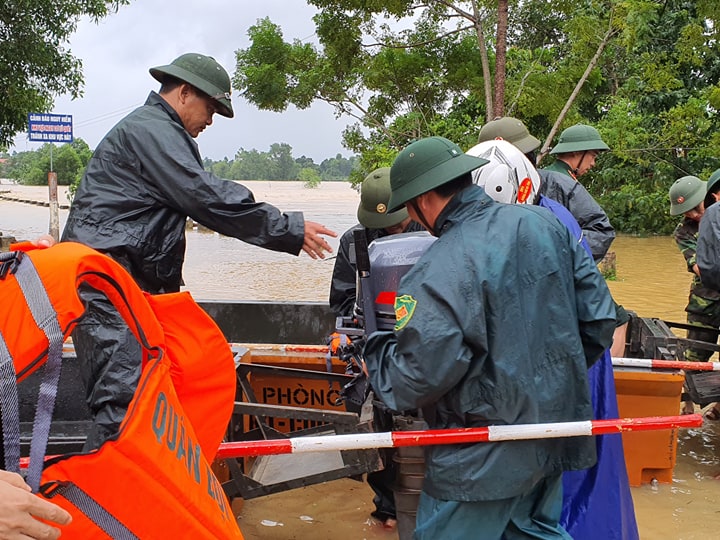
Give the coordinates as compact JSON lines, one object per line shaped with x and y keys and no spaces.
{"x":713,"y":184}
{"x":509,"y":129}
{"x":375,"y":192}
{"x":204,"y":73}
{"x":685,"y":194}
{"x":579,"y":138}
{"x":426,"y":164}
{"x":713,"y":181}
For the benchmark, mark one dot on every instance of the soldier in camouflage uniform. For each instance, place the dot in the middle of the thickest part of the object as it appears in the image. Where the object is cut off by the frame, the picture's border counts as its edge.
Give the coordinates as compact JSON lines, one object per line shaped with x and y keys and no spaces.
{"x":687,"y":196}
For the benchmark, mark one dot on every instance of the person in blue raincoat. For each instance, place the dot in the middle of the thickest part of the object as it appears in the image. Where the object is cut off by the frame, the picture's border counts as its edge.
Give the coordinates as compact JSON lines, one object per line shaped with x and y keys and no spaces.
{"x":597,"y":502}
{"x":497,"y":324}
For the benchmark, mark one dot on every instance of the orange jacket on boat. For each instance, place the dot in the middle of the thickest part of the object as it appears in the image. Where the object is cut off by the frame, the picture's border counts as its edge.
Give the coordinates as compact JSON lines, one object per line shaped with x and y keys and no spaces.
{"x":153,"y":479}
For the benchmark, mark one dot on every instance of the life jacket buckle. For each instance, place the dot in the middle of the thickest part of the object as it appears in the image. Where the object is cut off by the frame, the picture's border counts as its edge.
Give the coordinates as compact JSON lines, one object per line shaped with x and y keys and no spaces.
{"x":50,"y":489}
{"x":9,"y":262}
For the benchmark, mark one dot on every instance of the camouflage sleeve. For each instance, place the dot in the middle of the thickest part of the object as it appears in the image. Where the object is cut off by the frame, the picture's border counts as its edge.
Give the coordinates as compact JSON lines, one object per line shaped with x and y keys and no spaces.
{"x":686,"y":240}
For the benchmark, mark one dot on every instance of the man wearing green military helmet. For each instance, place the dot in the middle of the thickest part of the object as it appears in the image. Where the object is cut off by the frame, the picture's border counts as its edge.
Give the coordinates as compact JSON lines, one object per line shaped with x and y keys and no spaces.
{"x":202,"y":72}
{"x":488,"y":332}
{"x":686,"y":194}
{"x":377,"y":221}
{"x":576,"y":150}
{"x":558,"y":186}
{"x":145,"y":178}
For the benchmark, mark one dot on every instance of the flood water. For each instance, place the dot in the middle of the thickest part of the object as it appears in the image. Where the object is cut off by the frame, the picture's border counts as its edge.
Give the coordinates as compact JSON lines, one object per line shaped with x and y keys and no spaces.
{"x":651,"y":280}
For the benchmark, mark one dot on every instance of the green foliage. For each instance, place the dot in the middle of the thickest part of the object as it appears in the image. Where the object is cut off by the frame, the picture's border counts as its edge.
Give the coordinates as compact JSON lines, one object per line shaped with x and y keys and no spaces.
{"x":337,"y":168}
{"x":609,"y":273}
{"x":637,"y":211}
{"x":32,"y":167}
{"x":405,"y":70}
{"x":276,"y":164}
{"x":218,"y":168}
{"x":309,"y":177}
{"x":279,"y":164}
{"x":35,"y":63}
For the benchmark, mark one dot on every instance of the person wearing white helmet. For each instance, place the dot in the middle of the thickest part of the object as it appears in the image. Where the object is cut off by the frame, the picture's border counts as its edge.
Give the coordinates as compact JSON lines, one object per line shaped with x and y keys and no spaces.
{"x":597,"y":502}
{"x":559,"y":184}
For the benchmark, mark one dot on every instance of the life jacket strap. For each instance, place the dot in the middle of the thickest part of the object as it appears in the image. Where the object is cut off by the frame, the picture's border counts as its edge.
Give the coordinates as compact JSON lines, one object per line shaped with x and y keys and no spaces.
{"x":46,"y":319}
{"x":9,"y":409}
{"x":103,"y":519}
{"x":9,"y":261}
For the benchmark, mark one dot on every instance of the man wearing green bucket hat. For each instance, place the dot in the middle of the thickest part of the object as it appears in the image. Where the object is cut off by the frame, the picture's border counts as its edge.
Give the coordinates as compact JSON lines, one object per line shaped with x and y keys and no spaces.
{"x":576,"y":150}
{"x":145,"y":178}
{"x":496,"y":324}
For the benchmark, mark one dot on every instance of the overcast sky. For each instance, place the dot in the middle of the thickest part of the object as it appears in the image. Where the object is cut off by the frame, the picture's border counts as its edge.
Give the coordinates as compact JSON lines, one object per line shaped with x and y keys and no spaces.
{"x":117,"y":53}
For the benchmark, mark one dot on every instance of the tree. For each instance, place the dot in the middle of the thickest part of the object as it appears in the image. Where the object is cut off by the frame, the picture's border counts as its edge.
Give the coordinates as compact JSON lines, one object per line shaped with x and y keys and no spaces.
{"x":251,"y":165}
{"x":309,"y":177}
{"x":82,"y":149}
{"x":646,"y":74}
{"x":439,"y":76}
{"x":281,"y":156}
{"x":68,"y":161}
{"x":661,"y":117}
{"x":35,"y":64}
{"x":304,"y":161}
{"x":222,"y":169}
{"x":337,"y":168}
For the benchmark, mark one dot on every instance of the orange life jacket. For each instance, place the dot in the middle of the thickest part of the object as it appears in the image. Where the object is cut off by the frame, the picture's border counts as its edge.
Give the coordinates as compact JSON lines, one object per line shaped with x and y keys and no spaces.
{"x":153,"y":480}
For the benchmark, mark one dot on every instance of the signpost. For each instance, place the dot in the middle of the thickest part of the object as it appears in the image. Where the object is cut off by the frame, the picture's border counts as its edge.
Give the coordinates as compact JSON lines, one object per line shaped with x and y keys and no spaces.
{"x":51,"y":128}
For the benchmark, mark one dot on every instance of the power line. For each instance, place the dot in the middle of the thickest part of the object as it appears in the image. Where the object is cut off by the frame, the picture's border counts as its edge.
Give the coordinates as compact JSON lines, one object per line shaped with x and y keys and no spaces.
{"x":106,"y":116}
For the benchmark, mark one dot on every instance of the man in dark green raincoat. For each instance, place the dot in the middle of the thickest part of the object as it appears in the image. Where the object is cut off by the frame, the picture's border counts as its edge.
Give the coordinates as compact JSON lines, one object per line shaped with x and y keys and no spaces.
{"x":143,"y":181}
{"x":497,"y":324}
{"x":146,"y":177}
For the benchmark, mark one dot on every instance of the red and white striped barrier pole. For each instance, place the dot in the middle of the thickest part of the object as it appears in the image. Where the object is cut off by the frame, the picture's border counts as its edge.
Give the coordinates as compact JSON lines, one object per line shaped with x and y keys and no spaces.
{"x":666,"y":364}
{"x":395,"y":439}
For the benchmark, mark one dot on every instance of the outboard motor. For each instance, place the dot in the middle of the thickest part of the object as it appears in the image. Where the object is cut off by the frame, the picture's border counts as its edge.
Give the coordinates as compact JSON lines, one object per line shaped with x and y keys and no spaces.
{"x":388,"y":260}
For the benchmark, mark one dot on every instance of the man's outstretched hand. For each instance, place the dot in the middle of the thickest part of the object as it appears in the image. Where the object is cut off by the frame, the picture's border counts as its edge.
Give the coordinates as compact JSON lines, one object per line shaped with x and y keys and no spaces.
{"x":315,"y":245}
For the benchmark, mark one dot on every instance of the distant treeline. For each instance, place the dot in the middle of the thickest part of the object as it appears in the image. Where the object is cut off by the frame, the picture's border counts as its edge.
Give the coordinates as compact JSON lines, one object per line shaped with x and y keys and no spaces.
{"x":31,"y":168}
{"x":69,"y":162}
{"x":278,"y":163}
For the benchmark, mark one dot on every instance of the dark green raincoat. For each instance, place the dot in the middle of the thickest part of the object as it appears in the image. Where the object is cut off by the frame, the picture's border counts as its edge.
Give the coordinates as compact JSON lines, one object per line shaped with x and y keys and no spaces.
{"x":143,"y":181}
{"x":498,"y":323}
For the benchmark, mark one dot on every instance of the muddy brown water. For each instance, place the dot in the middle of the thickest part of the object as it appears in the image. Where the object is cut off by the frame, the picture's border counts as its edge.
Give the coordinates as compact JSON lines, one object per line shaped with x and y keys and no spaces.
{"x":651,"y":280}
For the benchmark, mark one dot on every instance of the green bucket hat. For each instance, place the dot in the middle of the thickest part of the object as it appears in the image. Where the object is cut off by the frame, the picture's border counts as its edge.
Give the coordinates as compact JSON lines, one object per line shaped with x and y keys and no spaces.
{"x":509,"y":129}
{"x":425,"y":165}
{"x":685,"y":194}
{"x":713,"y":184}
{"x":375,"y":192}
{"x":204,"y":73}
{"x":579,"y":138}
